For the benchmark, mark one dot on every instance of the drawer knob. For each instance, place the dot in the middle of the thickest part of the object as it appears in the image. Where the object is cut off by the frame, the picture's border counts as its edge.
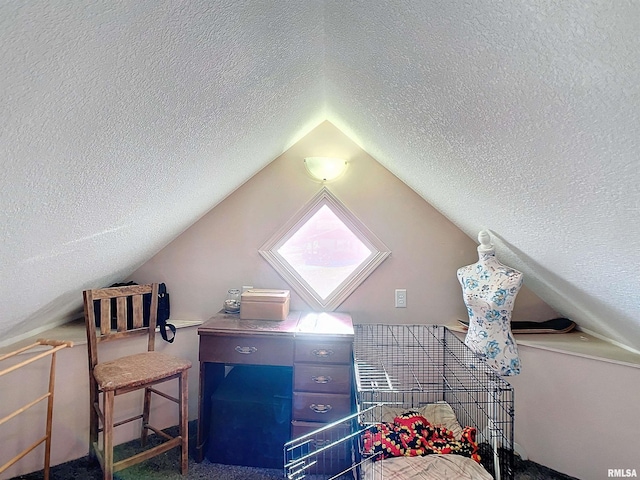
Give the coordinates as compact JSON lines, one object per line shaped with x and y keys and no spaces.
{"x":322,"y":379}
{"x":322,"y":352}
{"x":246,"y":350}
{"x":320,"y":408}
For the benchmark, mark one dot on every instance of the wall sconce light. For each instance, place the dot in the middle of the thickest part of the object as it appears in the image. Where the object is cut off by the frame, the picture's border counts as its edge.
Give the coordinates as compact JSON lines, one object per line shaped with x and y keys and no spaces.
{"x":325,"y":169}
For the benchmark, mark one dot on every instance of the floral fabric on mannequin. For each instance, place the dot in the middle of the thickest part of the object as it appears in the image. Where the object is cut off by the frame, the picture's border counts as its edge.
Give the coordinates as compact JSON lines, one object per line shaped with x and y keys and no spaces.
{"x":489,"y":289}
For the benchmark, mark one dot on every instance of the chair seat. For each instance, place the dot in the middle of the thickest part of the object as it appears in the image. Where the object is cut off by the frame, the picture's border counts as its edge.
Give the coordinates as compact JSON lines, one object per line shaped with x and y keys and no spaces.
{"x":136,"y":370}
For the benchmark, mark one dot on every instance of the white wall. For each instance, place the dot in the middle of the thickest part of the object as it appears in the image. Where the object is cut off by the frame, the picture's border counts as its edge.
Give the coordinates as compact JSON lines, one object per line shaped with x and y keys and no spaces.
{"x":220,"y":251}
{"x":576,"y":415}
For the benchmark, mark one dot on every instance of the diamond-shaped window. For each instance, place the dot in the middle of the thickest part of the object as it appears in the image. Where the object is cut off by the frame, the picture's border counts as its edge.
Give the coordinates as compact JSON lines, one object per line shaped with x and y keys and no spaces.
{"x":324,"y":252}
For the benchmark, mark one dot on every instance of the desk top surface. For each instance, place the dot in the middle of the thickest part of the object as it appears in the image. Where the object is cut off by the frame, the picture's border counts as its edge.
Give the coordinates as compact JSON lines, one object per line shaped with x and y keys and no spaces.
{"x":297,"y":324}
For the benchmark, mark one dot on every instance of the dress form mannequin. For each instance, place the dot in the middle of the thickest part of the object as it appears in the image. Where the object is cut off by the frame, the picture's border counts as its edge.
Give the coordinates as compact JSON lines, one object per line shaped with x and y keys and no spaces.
{"x":489,"y":289}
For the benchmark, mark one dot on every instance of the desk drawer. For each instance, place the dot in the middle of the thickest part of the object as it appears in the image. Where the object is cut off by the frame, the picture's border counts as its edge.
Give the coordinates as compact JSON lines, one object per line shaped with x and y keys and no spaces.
{"x":320,"y":407}
{"x":309,"y":377}
{"x":323,"y":352}
{"x":248,"y":350}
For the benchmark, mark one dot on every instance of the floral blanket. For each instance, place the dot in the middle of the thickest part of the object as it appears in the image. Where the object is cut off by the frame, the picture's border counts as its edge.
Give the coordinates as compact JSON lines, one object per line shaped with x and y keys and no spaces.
{"x":410,"y":435}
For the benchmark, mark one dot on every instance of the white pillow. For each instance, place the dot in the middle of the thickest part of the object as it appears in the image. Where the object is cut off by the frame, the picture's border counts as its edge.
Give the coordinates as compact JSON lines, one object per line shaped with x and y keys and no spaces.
{"x":442,"y":415}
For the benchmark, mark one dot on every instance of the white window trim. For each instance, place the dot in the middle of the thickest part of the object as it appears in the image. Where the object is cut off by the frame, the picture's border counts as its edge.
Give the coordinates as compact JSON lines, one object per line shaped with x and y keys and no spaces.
{"x":270,"y":252}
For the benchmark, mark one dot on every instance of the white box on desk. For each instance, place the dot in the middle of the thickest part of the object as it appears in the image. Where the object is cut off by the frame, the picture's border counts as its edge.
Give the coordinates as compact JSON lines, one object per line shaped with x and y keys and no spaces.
{"x":264,"y":304}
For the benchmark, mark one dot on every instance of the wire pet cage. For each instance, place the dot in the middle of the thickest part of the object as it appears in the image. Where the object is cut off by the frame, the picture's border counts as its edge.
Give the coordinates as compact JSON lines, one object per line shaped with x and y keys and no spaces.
{"x":409,"y":367}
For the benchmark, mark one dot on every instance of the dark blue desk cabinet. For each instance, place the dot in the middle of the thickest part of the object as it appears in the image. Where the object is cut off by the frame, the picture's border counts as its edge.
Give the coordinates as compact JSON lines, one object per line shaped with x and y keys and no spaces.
{"x":314,"y":353}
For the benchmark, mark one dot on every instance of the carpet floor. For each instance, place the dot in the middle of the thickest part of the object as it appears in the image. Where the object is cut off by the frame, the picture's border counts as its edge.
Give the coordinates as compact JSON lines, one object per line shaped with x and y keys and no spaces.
{"x":165,"y":467}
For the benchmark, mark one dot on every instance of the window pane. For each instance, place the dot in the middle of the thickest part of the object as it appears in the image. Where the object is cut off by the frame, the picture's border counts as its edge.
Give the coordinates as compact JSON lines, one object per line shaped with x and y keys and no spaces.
{"x":324,"y":251}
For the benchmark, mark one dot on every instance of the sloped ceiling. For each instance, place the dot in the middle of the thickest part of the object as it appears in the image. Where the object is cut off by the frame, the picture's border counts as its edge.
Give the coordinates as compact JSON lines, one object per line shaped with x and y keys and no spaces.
{"x":121,"y":123}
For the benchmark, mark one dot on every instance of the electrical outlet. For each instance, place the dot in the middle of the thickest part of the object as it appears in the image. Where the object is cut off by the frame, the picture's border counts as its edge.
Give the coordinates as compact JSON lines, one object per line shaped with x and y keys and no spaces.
{"x":401,"y":298}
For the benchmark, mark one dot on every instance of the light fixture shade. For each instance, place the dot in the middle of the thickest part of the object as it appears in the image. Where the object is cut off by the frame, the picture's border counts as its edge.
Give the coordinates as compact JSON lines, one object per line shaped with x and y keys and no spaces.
{"x":325,"y":169}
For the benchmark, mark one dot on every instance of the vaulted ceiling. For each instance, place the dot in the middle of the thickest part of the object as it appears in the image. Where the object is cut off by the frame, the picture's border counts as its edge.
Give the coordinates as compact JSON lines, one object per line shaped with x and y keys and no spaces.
{"x":121,"y":123}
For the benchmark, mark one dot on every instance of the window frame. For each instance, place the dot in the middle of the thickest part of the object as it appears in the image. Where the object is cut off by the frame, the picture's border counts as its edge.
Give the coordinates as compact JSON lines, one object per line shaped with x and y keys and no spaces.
{"x":269,"y":251}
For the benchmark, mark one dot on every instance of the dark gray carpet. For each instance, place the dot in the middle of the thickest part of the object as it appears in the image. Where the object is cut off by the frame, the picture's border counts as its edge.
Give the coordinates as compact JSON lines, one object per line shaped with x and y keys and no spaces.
{"x":166,"y":467}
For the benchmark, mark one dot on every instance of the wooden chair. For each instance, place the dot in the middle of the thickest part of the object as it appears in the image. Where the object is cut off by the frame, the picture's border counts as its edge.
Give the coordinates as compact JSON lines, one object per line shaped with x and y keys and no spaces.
{"x":129,"y":373}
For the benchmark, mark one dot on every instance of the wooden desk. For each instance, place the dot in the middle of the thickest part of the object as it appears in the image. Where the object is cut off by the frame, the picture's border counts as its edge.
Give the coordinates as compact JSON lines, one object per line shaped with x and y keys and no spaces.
{"x":317,"y":345}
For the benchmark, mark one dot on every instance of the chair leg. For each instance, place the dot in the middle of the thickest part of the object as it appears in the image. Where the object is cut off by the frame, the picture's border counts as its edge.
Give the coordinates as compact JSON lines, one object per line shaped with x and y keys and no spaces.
{"x":94,"y":420}
{"x":107,"y":435}
{"x":184,"y":422}
{"x":145,"y":416}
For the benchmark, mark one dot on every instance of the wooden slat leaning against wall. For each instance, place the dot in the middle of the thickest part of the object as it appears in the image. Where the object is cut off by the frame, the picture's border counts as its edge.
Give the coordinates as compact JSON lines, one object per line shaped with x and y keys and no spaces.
{"x":55,"y":345}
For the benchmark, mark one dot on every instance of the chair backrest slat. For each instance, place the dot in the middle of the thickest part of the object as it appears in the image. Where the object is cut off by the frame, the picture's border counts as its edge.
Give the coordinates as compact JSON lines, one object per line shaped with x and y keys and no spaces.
{"x":105,"y":316}
{"x":128,"y":318}
{"x":121,"y":314}
{"x":137,"y":311}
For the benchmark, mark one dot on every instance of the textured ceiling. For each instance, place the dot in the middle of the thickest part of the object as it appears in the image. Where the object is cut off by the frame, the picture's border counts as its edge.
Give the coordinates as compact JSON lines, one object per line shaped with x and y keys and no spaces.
{"x":121,"y":123}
